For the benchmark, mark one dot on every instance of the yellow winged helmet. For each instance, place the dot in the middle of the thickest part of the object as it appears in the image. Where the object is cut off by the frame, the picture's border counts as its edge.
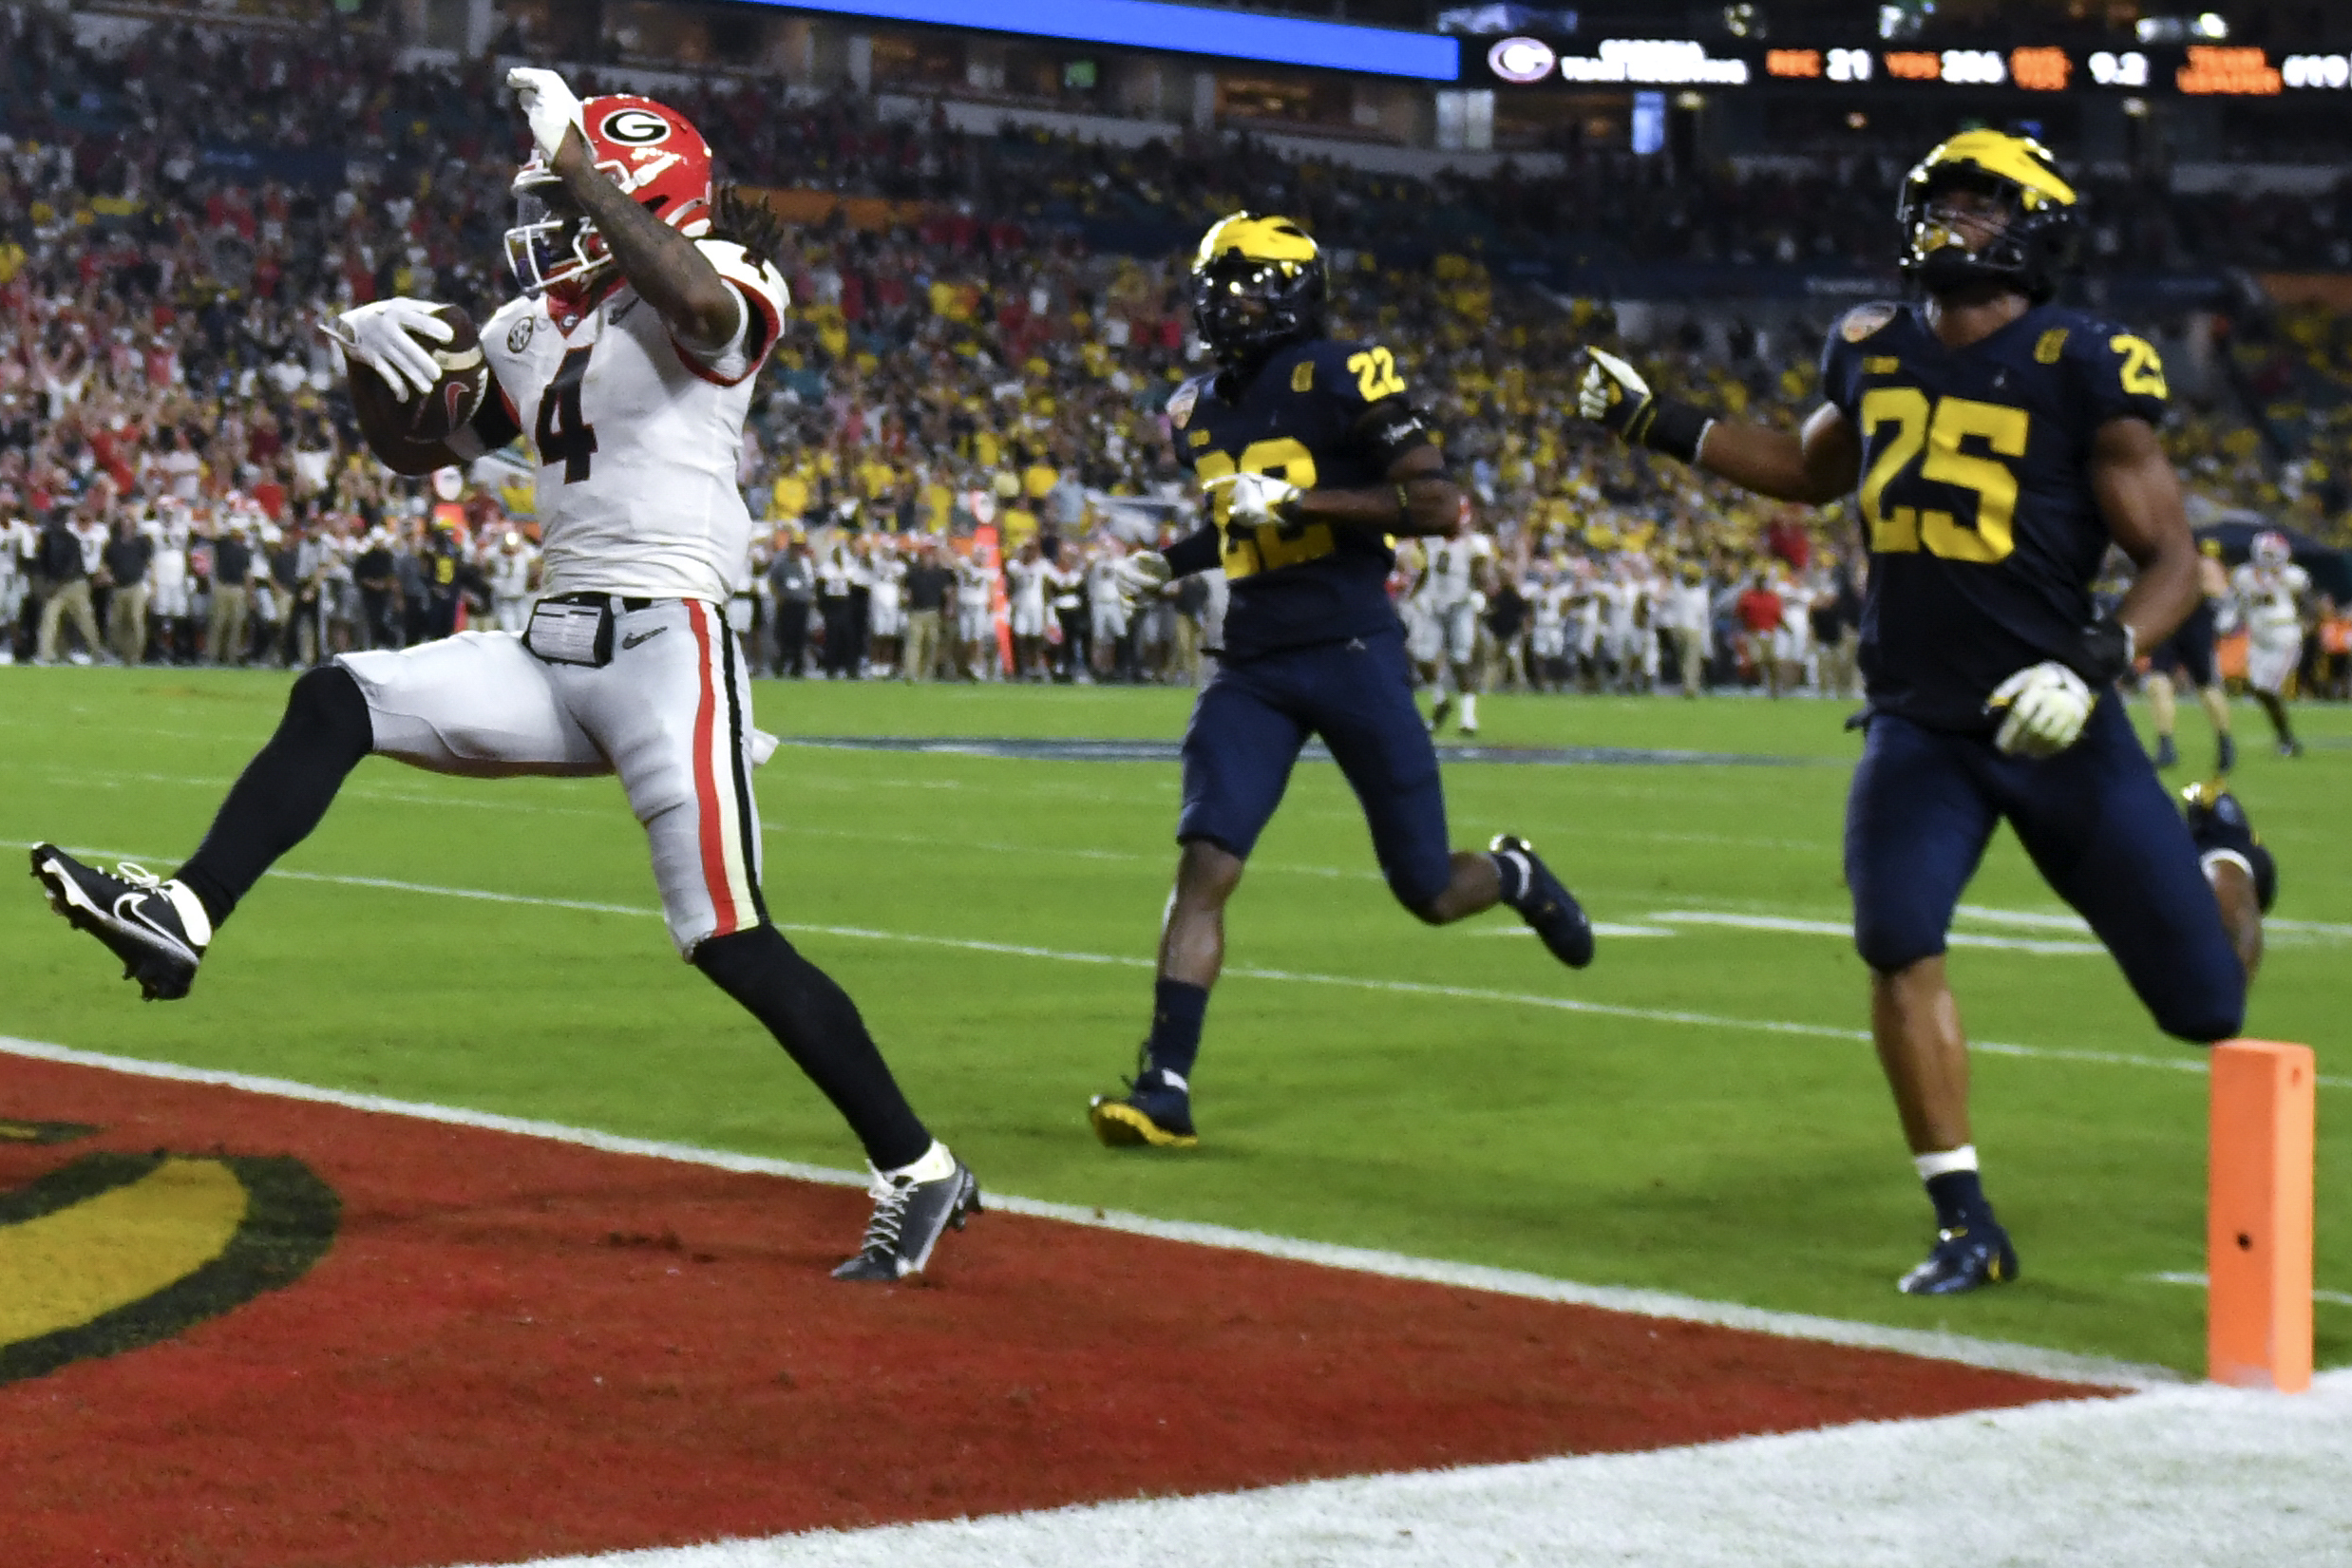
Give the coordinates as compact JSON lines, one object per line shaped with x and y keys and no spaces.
{"x":2036,"y":233}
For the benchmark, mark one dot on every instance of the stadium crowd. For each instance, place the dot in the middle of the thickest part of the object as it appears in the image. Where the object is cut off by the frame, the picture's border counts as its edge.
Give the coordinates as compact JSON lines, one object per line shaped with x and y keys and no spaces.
{"x":964,"y":424}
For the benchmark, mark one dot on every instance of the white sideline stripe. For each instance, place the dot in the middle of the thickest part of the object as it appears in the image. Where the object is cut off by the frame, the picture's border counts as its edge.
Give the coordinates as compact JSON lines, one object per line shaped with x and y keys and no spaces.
{"x":2170,"y":1478}
{"x":1845,"y":929}
{"x":2026,"y":1359}
{"x":1409,"y":987}
{"x":2334,"y":1299}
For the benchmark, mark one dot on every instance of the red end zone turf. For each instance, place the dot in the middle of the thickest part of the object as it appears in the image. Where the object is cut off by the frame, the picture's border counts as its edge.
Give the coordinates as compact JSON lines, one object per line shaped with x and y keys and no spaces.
{"x":503,"y":1347}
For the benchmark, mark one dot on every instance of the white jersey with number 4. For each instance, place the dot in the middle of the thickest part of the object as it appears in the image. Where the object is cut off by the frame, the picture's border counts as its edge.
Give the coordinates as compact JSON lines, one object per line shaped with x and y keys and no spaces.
{"x":637,"y":440}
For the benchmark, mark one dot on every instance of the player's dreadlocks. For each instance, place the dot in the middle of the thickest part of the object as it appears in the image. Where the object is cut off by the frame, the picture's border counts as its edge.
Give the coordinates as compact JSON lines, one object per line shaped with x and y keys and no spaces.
{"x":749,"y":222}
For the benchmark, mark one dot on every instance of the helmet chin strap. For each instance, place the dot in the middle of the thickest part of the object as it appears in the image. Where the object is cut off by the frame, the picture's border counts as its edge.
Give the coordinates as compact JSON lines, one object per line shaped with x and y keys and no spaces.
{"x":576,"y":296}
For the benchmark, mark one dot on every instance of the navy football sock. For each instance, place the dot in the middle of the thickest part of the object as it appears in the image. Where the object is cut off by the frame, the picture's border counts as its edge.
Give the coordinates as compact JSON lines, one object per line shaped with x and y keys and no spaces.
{"x":818,"y":1026}
{"x":283,"y":791}
{"x":1958,"y":1198}
{"x":1176,"y":1010}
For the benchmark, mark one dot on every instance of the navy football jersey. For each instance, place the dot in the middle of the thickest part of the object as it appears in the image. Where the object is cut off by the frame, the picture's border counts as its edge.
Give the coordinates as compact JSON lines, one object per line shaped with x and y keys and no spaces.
{"x":1976,"y":499}
{"x":1304,"y":418}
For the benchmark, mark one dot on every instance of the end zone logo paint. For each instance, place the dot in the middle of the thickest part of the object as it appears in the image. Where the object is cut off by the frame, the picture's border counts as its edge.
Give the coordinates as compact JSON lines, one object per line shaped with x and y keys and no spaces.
{"x":1522,"y":60}
{"x":112,"y":1251}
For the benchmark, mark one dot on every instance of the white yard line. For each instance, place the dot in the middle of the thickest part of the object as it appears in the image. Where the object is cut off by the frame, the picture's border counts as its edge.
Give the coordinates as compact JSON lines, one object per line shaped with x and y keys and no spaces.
{"x":2175,"y":1477}
{"x":2028,"y":1359}
{"x":2333,"y":1298}
{"x":2184,"y":1063}
{"x":1761,"y":920}
{"x":2059,"y":920}
{"x":1845,"y":929}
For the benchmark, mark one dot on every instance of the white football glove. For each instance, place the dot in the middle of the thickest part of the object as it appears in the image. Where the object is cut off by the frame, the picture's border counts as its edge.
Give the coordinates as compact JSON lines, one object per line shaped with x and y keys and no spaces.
{"x":1612,"y":392}
{"x":2048,"y":705}
{"x":1257,"y":498}
{"x":551,"y":107}
{"x":1140,"y":576}
{"x":384,"y":337}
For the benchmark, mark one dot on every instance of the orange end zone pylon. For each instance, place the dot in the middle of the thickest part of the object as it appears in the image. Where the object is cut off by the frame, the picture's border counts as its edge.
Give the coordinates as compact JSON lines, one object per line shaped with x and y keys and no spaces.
{"x":2258,"y":1219}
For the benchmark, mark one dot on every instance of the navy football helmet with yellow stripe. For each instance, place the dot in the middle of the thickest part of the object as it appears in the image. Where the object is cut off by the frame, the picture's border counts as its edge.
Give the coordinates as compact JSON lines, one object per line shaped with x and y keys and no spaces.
{"x":1257,"y":284}
{"x":2025,"y":231}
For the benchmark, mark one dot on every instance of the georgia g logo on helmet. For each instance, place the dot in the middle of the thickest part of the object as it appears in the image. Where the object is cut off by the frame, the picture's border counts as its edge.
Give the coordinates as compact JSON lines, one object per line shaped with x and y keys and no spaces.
{"x":649,"y":150}
{"x":633,"y":128}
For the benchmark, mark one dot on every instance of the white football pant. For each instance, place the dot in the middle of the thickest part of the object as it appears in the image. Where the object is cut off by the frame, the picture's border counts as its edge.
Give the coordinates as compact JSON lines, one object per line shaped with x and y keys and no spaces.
{"x":671,"y":714}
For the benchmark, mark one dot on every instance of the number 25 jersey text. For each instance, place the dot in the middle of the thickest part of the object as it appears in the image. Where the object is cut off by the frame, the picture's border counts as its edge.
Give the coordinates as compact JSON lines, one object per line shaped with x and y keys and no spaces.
{"x":1976,"y":499}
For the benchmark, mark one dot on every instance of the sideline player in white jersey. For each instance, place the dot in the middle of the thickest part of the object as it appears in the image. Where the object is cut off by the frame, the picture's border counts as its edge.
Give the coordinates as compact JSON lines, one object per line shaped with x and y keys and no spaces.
{"x":1425,"y":641}
{"x":630,"y":356}
{"x":2272,"y":593}
{"x":510,"y":574}
{"x":1453,"y":590}
{"x":1025,"y":580}
{"x":17,"y":537}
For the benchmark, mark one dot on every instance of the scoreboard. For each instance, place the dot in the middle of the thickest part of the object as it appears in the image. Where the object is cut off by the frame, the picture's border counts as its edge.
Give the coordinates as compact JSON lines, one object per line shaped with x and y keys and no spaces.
{"x":2196,"y":70}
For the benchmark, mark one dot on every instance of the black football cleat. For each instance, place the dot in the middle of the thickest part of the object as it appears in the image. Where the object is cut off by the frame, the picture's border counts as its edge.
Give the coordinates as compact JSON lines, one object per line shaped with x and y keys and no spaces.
{"x":1156,"y":1112}
{"x":1966,"y":1257}
{"x":910,"y":1216}
{"x":157,"y":927}
{"x":2224,"y":753}
{"x":1440,"y":713}
{"x":2168,"y":755}
{"x":1545,"y":905}
{"x":2219,"y":825}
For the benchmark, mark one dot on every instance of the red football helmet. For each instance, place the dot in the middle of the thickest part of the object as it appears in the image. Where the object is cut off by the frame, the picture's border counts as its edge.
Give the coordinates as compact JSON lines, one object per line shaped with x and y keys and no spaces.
{"x":649,"y":150}
{"x":2272,"y":550}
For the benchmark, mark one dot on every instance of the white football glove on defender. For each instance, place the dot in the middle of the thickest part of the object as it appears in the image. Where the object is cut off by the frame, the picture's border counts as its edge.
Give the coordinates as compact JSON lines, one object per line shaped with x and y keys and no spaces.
{"x":550,"y":104}
{"x":1257,"y":498}
{"x":2048,"y":705}
{"x":384,"y":337}
{"x":1139,"y":578}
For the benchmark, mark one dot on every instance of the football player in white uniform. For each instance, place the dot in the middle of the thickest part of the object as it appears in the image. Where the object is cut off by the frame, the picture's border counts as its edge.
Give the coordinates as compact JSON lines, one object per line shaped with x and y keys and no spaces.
{"x":976,"y":628}
{"x":1453,"y":591}
{"x":885,"y":603}
{"x":1025,"y":575}
{"x":2272,"y":593}
{"x":16,"y":537}
{"x":1547,"y":630}
{"x":1425,"y":640}
{"x":630,"y":355}
{"x":511,"y":570}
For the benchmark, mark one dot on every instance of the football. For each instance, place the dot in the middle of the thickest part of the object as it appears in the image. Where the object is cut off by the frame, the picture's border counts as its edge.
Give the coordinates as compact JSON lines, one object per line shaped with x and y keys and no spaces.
{"x":416,"y":437}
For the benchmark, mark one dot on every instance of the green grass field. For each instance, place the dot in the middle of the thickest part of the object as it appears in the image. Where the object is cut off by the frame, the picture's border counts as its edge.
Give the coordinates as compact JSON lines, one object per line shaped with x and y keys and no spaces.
{"x":1718,"y":1159}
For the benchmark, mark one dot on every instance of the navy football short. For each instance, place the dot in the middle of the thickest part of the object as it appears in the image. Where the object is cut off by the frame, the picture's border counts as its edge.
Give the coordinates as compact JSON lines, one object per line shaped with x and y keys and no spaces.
{"x":2099,"y":828}
{"x":1254,"y":716}
{"x":2188,"y":654}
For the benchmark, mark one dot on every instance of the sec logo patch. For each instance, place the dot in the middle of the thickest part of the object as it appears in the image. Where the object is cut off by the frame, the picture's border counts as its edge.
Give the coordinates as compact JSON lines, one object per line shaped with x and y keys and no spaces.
{"x":519,"y":336}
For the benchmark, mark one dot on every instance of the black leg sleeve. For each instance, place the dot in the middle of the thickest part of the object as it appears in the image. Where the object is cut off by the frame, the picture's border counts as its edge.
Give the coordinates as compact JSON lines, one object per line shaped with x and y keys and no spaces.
{"x":284,"y":791}
{"x":819,"y":1028}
